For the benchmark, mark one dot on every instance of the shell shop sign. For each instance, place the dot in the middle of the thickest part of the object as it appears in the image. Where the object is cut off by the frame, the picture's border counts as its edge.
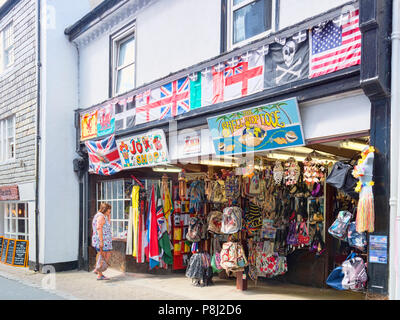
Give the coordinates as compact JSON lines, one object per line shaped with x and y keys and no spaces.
{"x":9,"y":193}
{"x":145,"y":150}
{"x":261,"y":128}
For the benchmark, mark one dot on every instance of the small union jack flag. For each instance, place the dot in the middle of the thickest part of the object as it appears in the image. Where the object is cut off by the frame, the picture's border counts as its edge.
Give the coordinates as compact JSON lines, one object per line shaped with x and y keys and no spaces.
{"x":176,"y":96}
{"x":103,"y":156}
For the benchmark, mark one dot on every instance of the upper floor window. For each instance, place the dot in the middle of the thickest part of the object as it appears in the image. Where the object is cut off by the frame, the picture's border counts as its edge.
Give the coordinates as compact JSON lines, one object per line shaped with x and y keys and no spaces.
{"x":249,"y":20}
{"x":123,"y":60}
{"x":7,"y":139}
{"x":7,"y":47}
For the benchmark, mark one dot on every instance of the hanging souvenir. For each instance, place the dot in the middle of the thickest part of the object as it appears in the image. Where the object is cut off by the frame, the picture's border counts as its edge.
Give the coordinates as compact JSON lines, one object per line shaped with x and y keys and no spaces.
{"x":292,"y":172}
{"x":365,"y":209}
{"x":278,"y":172}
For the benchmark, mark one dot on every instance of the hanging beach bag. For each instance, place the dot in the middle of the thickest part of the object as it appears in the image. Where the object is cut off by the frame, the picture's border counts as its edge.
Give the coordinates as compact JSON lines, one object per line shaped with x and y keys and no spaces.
{"x":292,"y":237}
{"x":356,"y":239}
{"x":195,"y":230}
{"x":335,"y":278}
{"x":339,"y":227}
{"x":232,"y":187}
{"x":231,"y":220}
{"x":303,"y":236}
{"x":196,"y":196}
{"x":216,"y":262}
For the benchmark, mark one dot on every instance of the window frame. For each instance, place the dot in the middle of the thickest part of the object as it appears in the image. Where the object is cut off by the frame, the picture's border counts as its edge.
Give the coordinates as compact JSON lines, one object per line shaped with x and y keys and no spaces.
{"x":112,"y":200}
{"x":116,"y":39}
{"x":8,"y":220}
{"x":3,"y":49}
{"x":4,"y":149}
{"x":229,"y":21}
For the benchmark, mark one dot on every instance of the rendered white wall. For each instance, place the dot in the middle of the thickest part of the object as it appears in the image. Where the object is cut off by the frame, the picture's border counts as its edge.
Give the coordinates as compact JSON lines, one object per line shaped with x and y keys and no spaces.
{"x":294,"y":11}
{"x":59,"y":194}
{"x":170,"y":35}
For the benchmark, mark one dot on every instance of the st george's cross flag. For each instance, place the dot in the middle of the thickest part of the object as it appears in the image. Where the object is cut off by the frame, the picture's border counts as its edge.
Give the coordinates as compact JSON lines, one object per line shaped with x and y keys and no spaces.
{"x":335,"y":46}
{"x":234,"y":79}
{"x":165,"y":102}
{"x":103,"y":156}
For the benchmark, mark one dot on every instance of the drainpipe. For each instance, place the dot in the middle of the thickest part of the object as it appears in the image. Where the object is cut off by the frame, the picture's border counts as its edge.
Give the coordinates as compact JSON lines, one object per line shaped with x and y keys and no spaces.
{"x":394,"y":237}
{"x":38,"y":98}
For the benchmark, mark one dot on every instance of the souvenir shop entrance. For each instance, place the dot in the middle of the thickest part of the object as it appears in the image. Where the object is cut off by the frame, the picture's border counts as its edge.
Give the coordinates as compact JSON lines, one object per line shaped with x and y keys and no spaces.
{"x":253,"y":217}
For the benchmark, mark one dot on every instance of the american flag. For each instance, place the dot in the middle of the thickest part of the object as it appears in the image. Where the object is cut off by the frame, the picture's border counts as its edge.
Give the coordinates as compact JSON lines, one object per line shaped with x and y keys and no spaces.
{"x":103,"y":156}
{"x":335,"y":46}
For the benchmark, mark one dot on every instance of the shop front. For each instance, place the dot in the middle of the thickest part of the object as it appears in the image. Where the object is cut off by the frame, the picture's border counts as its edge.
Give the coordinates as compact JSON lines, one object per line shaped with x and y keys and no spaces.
{"x":247,"y":184}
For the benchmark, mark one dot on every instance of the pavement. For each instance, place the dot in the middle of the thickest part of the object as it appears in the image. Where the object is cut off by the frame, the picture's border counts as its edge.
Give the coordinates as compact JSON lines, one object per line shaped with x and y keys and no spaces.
{"x":22,"y":283}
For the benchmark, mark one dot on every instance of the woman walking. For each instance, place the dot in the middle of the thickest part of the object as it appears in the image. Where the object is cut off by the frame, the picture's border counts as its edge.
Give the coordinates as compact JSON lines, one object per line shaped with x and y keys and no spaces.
{"x":102,"y":239}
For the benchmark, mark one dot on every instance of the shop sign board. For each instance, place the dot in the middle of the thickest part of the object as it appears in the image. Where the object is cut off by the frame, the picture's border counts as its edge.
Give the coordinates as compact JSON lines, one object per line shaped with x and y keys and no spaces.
{"x":144,"y":150}
{"x":9,"y":193}
{"x":378,"y":249}
{"x":89,"y":125}
{"x":266,"y":127}
{"x":190,"y":143}
{"x":14,"y":252}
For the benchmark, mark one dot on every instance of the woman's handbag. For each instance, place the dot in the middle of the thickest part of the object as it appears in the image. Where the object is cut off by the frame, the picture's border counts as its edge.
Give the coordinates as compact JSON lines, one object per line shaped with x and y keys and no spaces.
{"x":101,"y":263}
{"x":303,"y":238}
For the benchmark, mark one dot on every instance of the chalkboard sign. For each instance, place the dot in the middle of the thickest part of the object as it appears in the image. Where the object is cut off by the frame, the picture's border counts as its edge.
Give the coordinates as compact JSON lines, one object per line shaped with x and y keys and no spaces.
{"x":10,"y":251}
{"x":20,"y":256}
{"x":1,"y":244}
{"x":4,"y":250}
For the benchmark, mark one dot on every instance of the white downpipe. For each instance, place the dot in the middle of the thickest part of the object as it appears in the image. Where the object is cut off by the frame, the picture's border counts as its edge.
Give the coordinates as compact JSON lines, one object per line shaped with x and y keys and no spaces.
{"x":394,"y":240}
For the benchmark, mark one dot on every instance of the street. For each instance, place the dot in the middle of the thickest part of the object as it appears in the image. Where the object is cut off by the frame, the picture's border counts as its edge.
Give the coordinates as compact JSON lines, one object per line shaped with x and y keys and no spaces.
{"x":14,"y":290}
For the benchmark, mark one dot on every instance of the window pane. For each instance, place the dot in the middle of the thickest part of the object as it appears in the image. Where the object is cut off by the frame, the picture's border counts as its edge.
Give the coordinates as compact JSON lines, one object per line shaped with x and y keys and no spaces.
{"x":126,"y":79}
{"x":114,"y":190}
{"x":235,"y":2}
{"x":251,"y":20}
{"x":98,"y":186}
{"x":128,"y":186}
{"x":120,"y":210}
{"x":120,"y":189}
{"x":114,"y":229}
{"x":21,"y":225}
{"x":7,"y":210}
{"x":13,"y":227}
{"x":21,"y":210}
{"x":114,"y":210}
{"x":121,"y":230}
{"x":126,"y":209}
{"x":126,"y":52}
{"x":108,"y":190}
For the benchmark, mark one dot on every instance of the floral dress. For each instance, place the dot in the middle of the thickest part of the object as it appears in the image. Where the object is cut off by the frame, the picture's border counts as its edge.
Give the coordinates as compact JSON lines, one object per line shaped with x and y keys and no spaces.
{"x":107,"y":234}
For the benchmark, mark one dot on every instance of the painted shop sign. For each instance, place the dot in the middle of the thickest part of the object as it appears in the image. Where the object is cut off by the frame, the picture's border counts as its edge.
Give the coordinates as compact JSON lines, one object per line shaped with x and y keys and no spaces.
{"x":262,"y":128}
{"x":145,"y":150}
{"x":9,"y":193}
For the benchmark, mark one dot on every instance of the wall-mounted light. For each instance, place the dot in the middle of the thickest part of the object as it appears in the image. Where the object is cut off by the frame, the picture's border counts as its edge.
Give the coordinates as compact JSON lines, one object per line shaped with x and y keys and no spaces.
{"x":353,"y":145}
{"x":167,"y":169}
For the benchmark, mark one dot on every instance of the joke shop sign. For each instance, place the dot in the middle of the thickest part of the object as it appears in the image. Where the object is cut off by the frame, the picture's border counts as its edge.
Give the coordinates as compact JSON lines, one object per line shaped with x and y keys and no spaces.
{"x":145,"y":150}
{"x":265,"y":127}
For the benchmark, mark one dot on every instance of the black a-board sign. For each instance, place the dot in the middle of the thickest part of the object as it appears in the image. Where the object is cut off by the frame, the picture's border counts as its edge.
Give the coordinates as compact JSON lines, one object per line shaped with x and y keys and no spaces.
{"x":14,"y":252}
{"x":4,"y":250}
{"x":1,"y":245}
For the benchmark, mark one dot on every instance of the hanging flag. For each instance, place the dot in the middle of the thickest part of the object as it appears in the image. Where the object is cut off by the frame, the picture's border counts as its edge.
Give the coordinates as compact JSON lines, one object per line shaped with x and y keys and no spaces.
{"x":89,"y":125}
{"x":287,"y":62}
{"x":152,"y":249}
{"x":335,"y":46}
{"x":244,"y":78}
{"x":135,"y":219}
{"x":163,"y":238}
{"x":103,"y":156}
{"x":141,"y":232}
{"x":168,"y":101}
{"x":105,"y":120}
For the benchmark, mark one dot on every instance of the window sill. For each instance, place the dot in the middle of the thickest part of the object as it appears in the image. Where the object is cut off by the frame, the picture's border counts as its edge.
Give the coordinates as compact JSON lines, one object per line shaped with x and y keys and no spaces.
{"x":243,"y":43}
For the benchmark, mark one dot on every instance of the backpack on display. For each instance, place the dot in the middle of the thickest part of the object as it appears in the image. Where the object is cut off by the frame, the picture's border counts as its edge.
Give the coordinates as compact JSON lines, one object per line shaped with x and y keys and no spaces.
{"x":214,"y":222}
{"x":231,"y":220}
{"x":335,"y":278}
{"x":195,"y":230}
{"x":218,"y":194}
{"x":232,"y":255}
{"x":337,"y":177}
{"x":339,"y":228}
{"x":356,"y":239}
{"x":355,"y":274}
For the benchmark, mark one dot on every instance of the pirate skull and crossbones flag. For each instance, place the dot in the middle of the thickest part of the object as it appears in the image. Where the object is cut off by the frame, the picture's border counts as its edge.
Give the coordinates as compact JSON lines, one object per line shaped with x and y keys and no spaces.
{"x":287,"y":61}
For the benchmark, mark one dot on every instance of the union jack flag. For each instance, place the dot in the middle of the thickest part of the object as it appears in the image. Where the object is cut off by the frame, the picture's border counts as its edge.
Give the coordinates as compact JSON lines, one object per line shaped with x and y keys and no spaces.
{"x":103,"y":156}
{"x":175,"y":97}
